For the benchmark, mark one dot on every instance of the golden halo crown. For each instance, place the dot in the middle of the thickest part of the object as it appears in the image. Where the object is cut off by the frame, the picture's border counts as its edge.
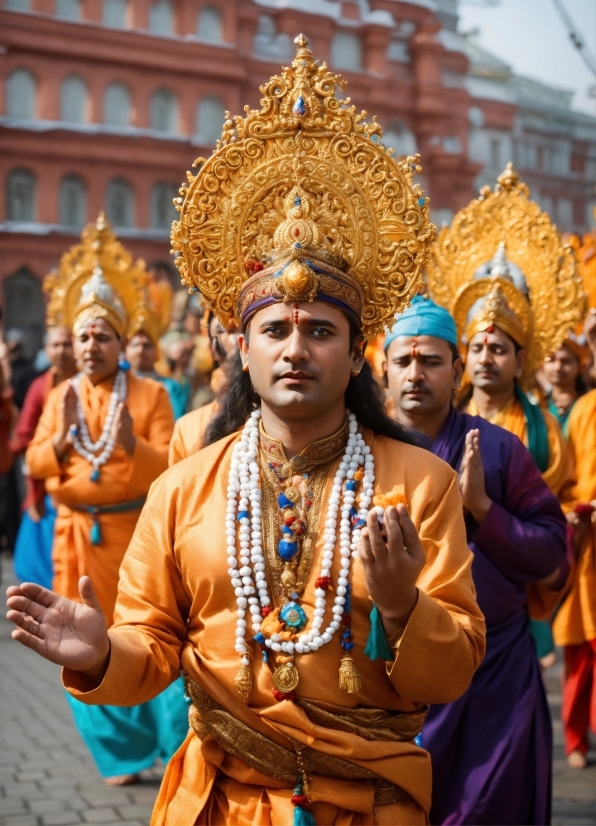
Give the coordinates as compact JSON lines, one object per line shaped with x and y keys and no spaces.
{"x":363,"y":225}
{"x":503,"y":234}
{"x":95,"y":278}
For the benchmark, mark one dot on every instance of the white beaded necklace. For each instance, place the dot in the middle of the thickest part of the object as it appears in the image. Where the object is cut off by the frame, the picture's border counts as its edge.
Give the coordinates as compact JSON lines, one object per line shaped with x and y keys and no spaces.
{"x":249,"y":580}
{"x":97,"y":453}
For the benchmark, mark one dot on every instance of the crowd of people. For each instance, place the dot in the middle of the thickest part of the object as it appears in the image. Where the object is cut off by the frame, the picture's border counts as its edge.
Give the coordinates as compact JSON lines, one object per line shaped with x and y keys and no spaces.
{"x":423,"y":455}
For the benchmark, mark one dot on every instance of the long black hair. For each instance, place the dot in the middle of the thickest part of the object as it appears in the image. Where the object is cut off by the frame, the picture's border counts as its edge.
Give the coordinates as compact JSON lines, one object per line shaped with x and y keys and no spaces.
{"x":364,"y":397}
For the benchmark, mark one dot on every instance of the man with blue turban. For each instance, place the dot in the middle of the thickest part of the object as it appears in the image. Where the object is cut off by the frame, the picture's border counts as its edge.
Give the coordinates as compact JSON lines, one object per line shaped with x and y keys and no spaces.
{"x":491,"y":750}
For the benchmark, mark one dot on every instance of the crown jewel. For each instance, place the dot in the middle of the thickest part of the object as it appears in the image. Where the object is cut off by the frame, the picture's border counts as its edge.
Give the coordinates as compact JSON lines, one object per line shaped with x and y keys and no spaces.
{"x":300,"y":194}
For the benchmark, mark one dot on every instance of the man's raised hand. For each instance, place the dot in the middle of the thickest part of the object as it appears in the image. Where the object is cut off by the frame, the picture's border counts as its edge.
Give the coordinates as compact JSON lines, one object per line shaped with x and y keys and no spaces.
{"x":69,"y":633}
{"x":392,"y":565}
{"x":471,"y":479}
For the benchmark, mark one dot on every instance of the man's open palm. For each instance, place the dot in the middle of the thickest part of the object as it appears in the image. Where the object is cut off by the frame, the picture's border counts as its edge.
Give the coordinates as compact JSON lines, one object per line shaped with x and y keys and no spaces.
{"x":69,"y":633}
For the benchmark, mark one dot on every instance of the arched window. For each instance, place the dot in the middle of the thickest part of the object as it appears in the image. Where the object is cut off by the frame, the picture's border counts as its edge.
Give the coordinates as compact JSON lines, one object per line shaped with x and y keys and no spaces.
{"x":73,"y":100}
{"x":73,"y":201}
{"x":346,"y":51}
{"x":18,"y":5}
{"x":398,"y":137}
{"x":115,"y":13}
{"x":20,"y":94}
{"x":268,"y":43}
{"x":161,"y":18}
{"x":24,"y":306}
{"x":120,"y":203}
{"x":164,"y":111}
{"x":210,"y":118}
{"x":116,"y":105}
{"x":21,"y":185}
{"x":68,"y":9}
{"x":209,"y":26}
{"x":163,"y":211}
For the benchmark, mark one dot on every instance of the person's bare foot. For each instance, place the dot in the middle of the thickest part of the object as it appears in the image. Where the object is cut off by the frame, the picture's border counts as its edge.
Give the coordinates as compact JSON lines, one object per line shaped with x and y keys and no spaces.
{"x":122,"y":780}
{"x":548,"y":660}
{"x":576,"y":760}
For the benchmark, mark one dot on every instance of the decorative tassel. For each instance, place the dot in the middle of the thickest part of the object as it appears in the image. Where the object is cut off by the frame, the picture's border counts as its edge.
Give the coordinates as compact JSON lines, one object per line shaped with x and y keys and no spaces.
{"x":301,"y":802}
{"x":349,"y":678}
{"x":95,"y":533}
{"x":243,"y":681}
{"x":302,"y":817}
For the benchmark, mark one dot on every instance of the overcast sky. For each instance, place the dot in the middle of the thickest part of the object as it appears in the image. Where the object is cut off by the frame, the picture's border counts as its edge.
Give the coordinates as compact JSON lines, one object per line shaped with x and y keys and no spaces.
{"x":531,"y":36}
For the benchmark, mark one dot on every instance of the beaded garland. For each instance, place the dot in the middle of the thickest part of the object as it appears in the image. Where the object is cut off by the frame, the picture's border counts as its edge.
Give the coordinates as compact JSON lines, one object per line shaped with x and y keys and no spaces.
{"x":97,"y":453}
{"x":248,"y":577}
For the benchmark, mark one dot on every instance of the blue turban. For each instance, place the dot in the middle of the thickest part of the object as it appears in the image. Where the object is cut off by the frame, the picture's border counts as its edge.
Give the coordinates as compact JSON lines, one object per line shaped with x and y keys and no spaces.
{"x":423,"y":318}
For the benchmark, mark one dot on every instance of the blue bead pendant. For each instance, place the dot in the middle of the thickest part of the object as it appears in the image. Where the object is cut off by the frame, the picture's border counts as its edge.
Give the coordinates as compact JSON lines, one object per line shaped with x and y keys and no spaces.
{"x":287,"y":549}
{"x":293,"y":616}
{"x":94,"y":475}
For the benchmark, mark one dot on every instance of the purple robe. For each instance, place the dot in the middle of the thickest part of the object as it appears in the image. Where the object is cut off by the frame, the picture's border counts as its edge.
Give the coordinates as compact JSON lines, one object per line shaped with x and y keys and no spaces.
{"x":491,"y":750}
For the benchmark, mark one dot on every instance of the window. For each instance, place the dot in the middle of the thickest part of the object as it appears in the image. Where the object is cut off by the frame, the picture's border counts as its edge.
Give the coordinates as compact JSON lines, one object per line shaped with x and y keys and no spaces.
{"x":120,"y":203}
{"x":209,"y":26}
{"x":24,"y":307}
{"x":21,"y":185}
{"x":564,"y":214}
{"x":398,"y":137}
{"x":73,"y":100}
{"x":115,"y":13}
{"x":164,"y":111}
{"x":116,"y":105}
{"x":346,"y":51}
{"x":494,"y":149}
{"x":68,"y":9}
{"x":20,"y":94}
{"x":163,"y":211}
{"x":73,"y":201}
{"x":210,"y":118}
{"x":268,"y":43}
{"x":17,"y":5}
{"x":161,"y":18}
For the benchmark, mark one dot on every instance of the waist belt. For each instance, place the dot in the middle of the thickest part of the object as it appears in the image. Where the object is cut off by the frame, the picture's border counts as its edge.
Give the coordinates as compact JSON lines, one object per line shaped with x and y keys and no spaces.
{"x":206,"y":716}
{"x":97,"y":510}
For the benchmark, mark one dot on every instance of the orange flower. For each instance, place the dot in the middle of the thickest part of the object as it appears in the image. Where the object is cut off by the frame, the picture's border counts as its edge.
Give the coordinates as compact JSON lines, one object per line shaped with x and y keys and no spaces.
{"x":394,"y":497}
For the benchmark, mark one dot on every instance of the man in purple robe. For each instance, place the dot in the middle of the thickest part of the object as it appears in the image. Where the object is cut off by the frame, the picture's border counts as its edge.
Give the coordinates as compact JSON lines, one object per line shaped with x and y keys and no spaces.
{"x":492,"y":749}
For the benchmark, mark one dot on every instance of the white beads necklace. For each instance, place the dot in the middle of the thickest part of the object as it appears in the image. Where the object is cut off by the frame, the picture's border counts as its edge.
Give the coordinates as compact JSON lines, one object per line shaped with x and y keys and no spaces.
{"x":97,"y":453}
{"x":248,"y":575}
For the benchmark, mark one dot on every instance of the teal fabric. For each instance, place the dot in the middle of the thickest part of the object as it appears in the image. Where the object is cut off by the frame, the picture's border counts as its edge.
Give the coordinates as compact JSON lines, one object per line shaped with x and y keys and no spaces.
{"x":303,"y":818}
{"x":127,"y":740}
{"x":377,"y":647}
{"x":562,"y":418}
{"x":537,"y":430}
{"x":543,"y":637}
{"x":423,"y":318}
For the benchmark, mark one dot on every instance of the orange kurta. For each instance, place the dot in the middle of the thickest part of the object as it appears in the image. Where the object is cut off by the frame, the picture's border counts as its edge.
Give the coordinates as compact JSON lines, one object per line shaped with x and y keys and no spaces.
{"x":176,"y":606}
{"x":189,"y":432}
{"x":576,"y":620}
{"x":123,"y":479}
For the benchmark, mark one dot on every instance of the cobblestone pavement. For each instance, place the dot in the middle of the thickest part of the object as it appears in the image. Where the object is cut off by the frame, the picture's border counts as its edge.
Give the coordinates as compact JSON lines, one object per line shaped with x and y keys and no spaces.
{"x":48,"y":779}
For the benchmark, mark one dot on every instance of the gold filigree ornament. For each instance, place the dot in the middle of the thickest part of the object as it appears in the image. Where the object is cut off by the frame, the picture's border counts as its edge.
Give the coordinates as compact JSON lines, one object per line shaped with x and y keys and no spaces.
{"x":300,"y":200}
{"x":503,"y":262}
{"x":95,"y":278}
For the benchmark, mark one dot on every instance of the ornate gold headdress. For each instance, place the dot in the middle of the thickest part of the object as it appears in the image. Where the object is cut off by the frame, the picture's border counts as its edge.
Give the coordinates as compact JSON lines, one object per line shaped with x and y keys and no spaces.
{"x":502,"y":262}
{"x":299,"y":199}
{"x":146,"y":318}
{"x":96,"y":278}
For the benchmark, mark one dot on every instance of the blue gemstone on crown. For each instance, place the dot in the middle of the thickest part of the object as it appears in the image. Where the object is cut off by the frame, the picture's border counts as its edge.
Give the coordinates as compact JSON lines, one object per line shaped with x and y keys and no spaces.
{"x":299,"y":108}
{"x":421,"y":201}
{"x":297,"y":201}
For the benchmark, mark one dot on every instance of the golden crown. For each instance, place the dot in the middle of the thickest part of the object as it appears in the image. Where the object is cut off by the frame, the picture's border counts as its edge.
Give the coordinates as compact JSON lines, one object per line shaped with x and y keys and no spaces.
{"x":95,"y":278}
{"x":300,"y":199}
{"x":503,"y":234}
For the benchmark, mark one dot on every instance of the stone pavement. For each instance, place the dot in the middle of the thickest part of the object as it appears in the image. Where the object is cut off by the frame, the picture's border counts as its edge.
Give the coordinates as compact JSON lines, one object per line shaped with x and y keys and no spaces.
{"x":48,"y":779}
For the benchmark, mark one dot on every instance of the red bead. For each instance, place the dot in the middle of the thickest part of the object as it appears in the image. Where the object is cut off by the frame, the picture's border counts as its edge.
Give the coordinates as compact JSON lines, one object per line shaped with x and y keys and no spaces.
{"x":346,"y":619}
{"x":265,"y":610}
{"x":323,"y":582}
{"x":301,"y":800}
{"x":284,"y":695}
{"x":253,"y":266}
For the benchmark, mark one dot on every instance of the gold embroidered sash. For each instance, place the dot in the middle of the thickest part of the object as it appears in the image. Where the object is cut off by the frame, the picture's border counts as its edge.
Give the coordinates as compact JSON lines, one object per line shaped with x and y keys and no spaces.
{"x":206,"y":716}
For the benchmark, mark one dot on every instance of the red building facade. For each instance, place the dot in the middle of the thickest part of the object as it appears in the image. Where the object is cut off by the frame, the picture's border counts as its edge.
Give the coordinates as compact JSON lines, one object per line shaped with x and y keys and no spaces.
{"x":104,"y":104}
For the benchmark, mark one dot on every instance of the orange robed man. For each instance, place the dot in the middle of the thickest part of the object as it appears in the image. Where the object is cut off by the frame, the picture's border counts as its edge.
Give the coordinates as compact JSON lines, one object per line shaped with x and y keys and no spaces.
{"x":575,"y":624}
{"x":101,"y":441}
{"x":313,"y":635}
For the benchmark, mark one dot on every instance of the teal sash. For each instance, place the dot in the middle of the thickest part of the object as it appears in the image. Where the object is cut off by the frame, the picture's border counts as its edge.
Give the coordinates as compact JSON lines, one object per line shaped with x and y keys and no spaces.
{"x":537,"y":430}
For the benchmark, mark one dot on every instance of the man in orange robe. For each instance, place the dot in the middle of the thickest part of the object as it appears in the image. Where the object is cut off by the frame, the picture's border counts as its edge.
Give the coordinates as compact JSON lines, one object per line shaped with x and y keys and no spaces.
{"x":291,"y":721}
{"x":575,"y":624}
{"x":99,"y":505}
